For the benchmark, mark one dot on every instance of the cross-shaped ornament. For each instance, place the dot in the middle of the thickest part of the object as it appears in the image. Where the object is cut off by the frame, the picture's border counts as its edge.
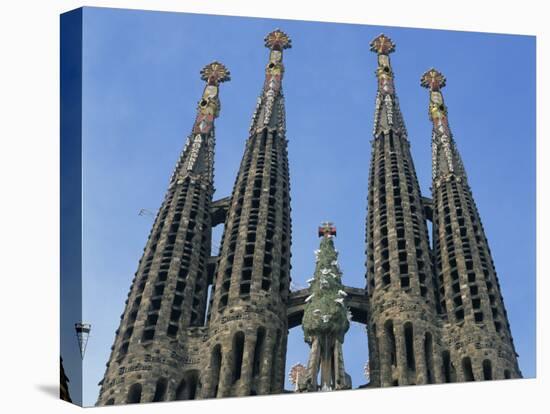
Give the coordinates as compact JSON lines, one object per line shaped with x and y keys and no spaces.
{"x":215,"y":73}
{"x":433,"y":79}
{"x":327,"y":229}
{"x":382,"y":45}
{"x":278,"y":40}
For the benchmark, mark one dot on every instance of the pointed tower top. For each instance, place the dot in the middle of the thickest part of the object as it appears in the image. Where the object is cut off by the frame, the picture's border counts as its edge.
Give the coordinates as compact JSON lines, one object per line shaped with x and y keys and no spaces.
{"x":433,"y":79}
{"x":215,"y":73}
{"x":269,"y":112}
{"x":446,"y":161}
{"x":327,"y":229}
{"x":382,"y":45}
{"x":278,"y":40}
{"x":387,"y":114}
{"x":197,"y":155}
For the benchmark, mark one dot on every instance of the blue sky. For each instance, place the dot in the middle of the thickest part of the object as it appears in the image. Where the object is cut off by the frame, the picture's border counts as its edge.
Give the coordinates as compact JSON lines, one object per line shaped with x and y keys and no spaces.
{"x":140,"y":88}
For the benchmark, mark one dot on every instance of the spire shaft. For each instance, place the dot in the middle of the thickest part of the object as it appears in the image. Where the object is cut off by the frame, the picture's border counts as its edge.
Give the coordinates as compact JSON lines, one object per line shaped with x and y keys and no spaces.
{"x":399,"y":271}
{"x":446,"y":160}
{"x":251,"y":284}
{"x":471,"y":303}
{"x":197,"y":155}
{"x":387,"y":112}
{"x":269,"y":111}
{"x":169,"y":292}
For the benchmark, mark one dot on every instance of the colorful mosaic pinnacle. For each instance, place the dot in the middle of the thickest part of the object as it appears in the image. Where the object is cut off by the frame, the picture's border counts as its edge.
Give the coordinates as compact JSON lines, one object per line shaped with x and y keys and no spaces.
{"x":215,"y":73}
{"x":197,"y":326}
{"x":382,"y":45}
{"x":278,"y":40}
{"x":435,"y":314}
{"x":433,"y":80}
{"x":209,"y":106}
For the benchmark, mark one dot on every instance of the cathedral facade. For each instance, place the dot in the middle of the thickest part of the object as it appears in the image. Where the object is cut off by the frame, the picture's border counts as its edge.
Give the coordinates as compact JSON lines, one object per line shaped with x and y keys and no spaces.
{"x":434,"y":314}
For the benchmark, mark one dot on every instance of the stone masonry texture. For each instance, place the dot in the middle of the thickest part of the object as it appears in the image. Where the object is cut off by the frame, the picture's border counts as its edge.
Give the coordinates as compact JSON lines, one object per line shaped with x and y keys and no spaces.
{"x":197,"y":326}
{"x":402,"y":327}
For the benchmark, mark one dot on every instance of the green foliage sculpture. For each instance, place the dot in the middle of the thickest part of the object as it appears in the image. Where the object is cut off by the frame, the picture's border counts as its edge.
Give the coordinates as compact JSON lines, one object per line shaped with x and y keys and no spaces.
{"x":326,"y":318}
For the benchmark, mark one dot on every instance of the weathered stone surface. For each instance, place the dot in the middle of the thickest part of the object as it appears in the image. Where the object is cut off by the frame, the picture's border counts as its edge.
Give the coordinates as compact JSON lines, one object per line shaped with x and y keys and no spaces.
{"x":476,"y":333}
{"x":402,"y":313}
{"x":153,"y":358}
{"x":432,"y":316}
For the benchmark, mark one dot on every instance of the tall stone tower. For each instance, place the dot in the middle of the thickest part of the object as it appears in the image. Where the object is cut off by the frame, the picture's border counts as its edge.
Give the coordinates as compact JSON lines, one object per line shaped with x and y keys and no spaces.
{"x":402,"y":324}
{"x":247,"y":319}
{"x":432,"y":316}
{"x":168,"y":293}
{"x":476,"y":328}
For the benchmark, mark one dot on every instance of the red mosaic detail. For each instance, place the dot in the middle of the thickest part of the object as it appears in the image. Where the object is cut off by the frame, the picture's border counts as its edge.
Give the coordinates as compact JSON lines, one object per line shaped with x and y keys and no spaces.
{"x":382,"y":45}
{"x":278,"y":40}
{"x":433,"y":80}
{"x":215,"y":73}
{"x":327,"y":229}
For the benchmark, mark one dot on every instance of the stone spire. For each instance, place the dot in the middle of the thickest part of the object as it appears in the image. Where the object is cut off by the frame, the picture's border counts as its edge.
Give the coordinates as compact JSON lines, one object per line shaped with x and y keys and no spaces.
{"x":326,"y":319}
{"x":476,"y":331}
{"x":247,"y":321}
{"x":402,"y":299}
{"x":196,"y":157}
{"x":168,"y":293}
{"x":270,"y":111}
{"x":387,"y":114}
{"x":446,"y":160}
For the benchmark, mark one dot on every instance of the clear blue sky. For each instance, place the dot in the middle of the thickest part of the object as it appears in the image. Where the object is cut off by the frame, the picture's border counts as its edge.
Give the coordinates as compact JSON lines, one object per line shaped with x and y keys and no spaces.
{"x":141,"y":86}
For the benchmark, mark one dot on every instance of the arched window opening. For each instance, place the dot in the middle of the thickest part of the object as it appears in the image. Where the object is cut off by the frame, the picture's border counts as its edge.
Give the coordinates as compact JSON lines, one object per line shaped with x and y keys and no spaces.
{"x":238,"y":350}
{"x":409,"y":345}
{"x":390,"y":336}
{"x":507,"y":374}
{"x":258,"y":351}
{"x":467,"y":369}
{"x":428,"y":356}
{"x":160,"y":390}
{"x":449,"y":373}
{"x":180,"y":391}
{"x":275,"y":361}
{"x":187,"y":389}
{"x":215,"y":366}
{"x":192,"y":385}
{"x":487,"y":370}
{"x":134,"y":394}
{"x":375,"y":347}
